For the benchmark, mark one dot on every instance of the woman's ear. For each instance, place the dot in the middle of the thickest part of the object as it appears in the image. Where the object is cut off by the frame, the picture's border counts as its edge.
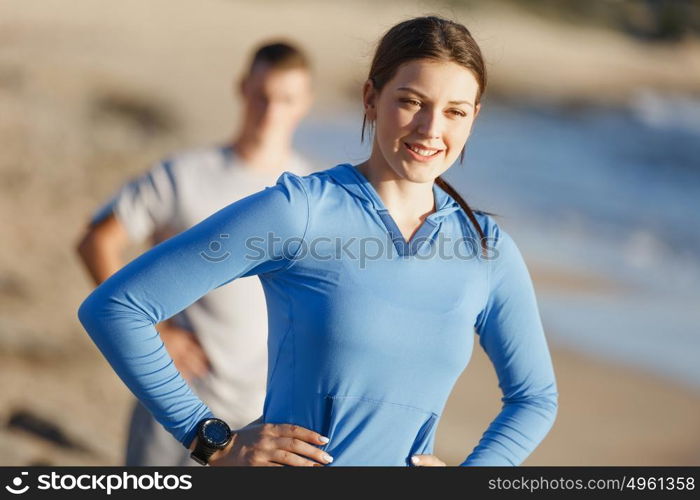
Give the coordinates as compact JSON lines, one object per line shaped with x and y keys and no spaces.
{"x":369,"y":97}
{"x":477,"y":108}
{"x":241,"y":87}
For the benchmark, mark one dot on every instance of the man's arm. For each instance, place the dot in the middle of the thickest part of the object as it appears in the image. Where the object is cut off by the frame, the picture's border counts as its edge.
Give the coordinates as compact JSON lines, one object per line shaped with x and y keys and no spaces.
{"x":136,"y":211}
{"x":102,"y":247}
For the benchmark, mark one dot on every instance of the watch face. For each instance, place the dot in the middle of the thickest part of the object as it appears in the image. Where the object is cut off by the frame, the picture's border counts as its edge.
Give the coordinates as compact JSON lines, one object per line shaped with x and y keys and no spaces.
{"x":215,"y":432}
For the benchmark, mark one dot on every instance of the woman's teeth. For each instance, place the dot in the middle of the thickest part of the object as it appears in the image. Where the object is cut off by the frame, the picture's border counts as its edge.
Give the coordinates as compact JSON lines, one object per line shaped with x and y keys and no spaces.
{"x":421,"y":151}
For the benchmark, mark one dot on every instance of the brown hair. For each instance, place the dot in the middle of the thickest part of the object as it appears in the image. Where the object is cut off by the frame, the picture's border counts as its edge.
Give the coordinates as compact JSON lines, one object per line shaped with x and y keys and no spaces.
{"x":430,"y":37}
{"x":279,"y":54}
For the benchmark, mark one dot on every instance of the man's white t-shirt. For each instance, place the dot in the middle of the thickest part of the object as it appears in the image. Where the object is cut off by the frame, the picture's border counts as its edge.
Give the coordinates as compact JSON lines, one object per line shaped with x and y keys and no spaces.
{"x":230,"y":322}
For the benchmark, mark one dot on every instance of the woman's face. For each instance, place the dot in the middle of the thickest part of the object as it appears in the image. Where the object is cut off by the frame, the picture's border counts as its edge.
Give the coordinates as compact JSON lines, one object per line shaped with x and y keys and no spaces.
{"x":423,"y":117}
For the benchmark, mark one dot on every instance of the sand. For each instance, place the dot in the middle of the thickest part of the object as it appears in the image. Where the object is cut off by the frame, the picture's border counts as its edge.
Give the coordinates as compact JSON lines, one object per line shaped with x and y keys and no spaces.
{"x":608,"y":415}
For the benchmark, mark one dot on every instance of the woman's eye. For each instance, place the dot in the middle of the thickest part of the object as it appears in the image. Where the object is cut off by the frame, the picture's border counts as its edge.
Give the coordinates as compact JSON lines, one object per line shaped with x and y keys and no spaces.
{"x":412,"y":102}
{"x":458,"y":112}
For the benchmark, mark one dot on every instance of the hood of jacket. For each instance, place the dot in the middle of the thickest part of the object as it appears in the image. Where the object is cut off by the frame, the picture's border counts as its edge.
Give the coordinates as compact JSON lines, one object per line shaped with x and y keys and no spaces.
{"x":352,"y":180}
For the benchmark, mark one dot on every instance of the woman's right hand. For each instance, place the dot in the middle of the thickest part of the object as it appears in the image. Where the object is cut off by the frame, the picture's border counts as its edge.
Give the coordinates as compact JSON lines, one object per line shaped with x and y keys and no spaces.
{"x":261,"y":444}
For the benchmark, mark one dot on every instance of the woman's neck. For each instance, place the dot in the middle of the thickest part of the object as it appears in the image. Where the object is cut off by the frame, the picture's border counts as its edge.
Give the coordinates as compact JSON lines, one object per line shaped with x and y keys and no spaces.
{"x":409,"y":203}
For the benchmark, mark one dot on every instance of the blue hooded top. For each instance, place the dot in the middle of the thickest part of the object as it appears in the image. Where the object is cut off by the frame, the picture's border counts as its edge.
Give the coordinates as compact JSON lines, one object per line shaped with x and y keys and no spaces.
{"x":367,"y":333}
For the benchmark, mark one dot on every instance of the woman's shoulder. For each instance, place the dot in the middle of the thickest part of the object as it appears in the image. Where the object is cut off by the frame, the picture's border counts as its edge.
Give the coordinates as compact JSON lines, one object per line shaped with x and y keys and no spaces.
{"x":504,"y":252}
{"x":498,"y":239}
{"x":314,"y":185}
{"x":489,"y":226}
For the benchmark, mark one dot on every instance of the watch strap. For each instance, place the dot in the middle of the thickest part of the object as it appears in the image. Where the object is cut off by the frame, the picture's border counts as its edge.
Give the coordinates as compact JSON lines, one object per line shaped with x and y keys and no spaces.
{"x":202,"y":453}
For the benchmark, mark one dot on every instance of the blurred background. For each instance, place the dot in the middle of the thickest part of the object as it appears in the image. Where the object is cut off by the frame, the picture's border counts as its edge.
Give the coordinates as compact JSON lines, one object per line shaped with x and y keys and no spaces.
{"x":587,"y":148}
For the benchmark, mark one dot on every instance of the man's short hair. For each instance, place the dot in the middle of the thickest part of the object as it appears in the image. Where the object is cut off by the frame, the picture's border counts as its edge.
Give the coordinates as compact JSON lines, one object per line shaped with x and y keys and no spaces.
{"x":279,"y":55}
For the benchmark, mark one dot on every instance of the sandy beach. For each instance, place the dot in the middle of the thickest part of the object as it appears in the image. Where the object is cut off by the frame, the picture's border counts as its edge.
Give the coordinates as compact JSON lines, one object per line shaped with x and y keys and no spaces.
{"x":91,"y":93}
{"x":608,"y":415}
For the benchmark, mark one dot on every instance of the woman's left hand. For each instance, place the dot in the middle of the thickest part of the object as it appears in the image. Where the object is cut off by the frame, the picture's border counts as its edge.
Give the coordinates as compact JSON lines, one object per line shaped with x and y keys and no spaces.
{"x":427,"y":461}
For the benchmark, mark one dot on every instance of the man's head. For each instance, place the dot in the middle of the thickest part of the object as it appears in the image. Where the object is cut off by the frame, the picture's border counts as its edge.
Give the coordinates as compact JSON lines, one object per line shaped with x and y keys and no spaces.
{"x":276,"y":90}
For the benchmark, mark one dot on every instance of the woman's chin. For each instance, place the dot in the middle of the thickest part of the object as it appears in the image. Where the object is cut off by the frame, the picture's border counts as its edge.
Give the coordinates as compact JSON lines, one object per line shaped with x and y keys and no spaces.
{"x":420,"y":172}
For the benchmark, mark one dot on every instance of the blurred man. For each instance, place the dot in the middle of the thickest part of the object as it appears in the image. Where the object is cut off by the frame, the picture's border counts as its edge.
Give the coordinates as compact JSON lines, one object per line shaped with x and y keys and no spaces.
{"x":219,"y":343}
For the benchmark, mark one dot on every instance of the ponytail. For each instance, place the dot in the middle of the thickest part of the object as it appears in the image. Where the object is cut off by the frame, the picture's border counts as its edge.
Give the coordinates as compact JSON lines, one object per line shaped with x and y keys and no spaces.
{"x":465,"y":206}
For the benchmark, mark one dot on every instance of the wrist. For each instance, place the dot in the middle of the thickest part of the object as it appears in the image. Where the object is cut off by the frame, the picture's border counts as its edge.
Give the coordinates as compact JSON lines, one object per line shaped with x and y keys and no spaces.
{"x":220,"y":454}
{"x":193,"y":444}
{"x":213,"y":440}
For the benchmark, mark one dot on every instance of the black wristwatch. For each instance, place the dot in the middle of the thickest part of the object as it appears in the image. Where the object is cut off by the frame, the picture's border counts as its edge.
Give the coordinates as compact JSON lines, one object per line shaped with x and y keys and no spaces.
{"x":213,"y":434}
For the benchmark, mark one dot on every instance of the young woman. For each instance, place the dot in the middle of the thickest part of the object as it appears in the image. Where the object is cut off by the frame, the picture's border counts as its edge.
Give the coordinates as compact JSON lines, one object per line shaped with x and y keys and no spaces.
{"x":376,"y":276}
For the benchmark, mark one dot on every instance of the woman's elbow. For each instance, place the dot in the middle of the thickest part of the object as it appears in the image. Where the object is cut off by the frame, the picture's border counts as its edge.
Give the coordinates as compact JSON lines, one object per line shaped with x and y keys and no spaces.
{"x":92,"y":312}
{"x":549,"y":407}
{"x":544,"y":404}
{"x":554,"y":406}
{"x":86,"y":312}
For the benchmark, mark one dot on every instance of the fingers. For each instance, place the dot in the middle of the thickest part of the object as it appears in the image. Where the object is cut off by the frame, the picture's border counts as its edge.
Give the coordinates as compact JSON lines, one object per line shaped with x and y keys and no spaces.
{"x":304,"y":449}
{"x":296,"y":431}
{"x":285,"y":451}
{"x":193,"y":351}
{"x":285,"y":457}
{"x":183,"y":366}
{"x":187,"y":353}
{"x":427,"y":461}
{"x":265,"y":444}
{"x":189,"y":365}
{"x":294,"y":445}
{"x":197,"y":362}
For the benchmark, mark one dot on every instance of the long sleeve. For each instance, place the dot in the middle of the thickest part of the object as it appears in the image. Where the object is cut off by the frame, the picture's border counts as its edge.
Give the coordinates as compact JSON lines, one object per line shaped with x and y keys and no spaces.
{"x":258,"y":234}
{"x":511,"y":333}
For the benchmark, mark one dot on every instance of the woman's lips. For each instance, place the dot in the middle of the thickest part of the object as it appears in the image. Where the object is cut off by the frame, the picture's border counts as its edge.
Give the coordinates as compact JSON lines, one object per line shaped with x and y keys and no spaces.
{"x":420,"y":157}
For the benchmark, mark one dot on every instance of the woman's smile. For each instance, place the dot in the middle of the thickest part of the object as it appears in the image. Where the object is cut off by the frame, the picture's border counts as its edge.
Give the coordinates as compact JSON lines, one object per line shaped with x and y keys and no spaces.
{"x":421,"y":153}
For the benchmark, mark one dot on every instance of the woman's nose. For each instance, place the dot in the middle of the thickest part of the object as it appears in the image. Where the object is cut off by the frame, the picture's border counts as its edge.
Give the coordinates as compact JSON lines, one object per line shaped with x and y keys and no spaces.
{"x":429,"y":125}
